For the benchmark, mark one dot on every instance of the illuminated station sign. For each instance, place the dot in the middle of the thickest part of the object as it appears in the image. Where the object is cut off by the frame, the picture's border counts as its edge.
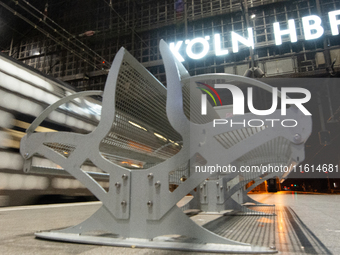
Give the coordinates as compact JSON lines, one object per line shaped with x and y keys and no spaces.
{"x":311,"y":26}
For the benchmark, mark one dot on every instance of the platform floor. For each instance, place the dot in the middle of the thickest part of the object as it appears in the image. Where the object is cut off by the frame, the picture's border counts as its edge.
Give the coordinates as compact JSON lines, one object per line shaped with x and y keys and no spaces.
{"x":303,"y":224}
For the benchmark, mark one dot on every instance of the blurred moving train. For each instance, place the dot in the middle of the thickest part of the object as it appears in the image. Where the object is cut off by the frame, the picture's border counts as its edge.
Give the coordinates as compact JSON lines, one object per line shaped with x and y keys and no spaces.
{"x":24,"y":94}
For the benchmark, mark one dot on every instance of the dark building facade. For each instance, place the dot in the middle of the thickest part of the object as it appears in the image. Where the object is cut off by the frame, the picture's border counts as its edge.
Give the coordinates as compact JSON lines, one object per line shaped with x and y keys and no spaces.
{"x":76,"y":41}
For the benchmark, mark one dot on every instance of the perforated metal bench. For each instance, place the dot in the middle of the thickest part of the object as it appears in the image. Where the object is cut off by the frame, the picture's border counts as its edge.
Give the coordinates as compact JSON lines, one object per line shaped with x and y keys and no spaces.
{"x":148,"y":126}
{"x":273,"y":146}
{"x":219,"y":194}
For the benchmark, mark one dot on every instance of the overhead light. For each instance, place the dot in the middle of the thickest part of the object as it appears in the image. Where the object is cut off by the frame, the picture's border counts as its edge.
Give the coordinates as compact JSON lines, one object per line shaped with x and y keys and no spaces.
{"x":131,"y":164}
{"x":161,"y":137}
{"x":136,"y":125}
{"x":173,"y":142}
{"x":253,"y":16}
{"x":135,"y":165}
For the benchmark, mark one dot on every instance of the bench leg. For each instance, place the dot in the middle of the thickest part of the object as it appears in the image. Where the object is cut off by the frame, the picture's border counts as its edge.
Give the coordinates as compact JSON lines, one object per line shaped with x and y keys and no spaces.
{"x":103,"y":229}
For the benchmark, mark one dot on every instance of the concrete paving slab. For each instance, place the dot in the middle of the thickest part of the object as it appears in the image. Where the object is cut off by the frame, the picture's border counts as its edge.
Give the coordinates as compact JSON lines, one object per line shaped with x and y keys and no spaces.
{"x":303,"y":224}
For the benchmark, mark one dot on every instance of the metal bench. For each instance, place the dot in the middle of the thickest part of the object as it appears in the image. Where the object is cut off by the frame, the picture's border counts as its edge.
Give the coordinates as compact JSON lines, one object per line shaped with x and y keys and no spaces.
{"x":224,"y":193}
{"x":274,"y":147}
{"x":155,"y":129}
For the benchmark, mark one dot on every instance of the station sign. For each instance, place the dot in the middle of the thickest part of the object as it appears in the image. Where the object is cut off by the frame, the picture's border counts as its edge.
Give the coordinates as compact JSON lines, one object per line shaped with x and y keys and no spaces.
{"x":312,"y":29}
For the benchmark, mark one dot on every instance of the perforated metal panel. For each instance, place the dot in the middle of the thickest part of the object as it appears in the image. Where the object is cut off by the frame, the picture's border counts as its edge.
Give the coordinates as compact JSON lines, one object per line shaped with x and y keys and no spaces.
{"x":179,"y":175}
{"x":63,"y":149}
{"x":276,"y":151}
{"x":141,"y":129}
{"x":231,"y":138}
